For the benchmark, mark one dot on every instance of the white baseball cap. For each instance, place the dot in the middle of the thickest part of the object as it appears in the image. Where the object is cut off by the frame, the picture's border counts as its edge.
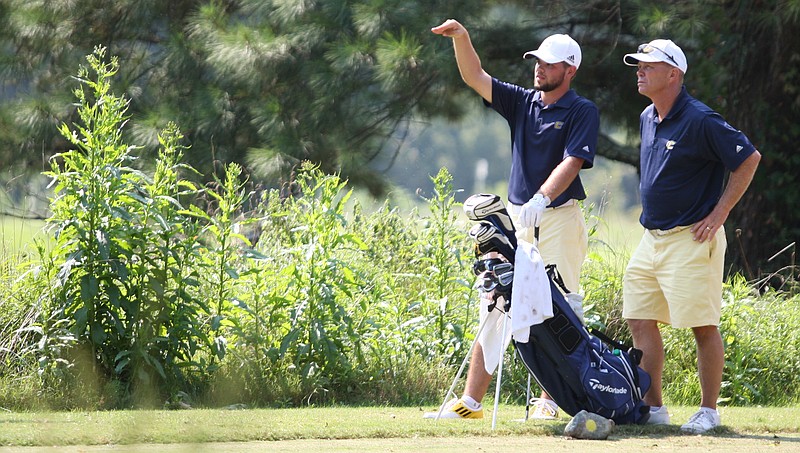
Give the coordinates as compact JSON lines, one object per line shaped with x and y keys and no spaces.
{"x":663,"y":50}
{"x":557,"y":48}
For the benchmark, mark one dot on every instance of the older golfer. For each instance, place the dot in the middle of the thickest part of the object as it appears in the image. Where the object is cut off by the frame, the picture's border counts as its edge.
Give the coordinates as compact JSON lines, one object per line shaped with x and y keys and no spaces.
{"x":675,"y":274}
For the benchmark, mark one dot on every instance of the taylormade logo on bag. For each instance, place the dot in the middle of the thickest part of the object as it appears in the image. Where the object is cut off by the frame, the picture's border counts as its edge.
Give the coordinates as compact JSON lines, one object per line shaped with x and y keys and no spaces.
{"x":596,"y":385}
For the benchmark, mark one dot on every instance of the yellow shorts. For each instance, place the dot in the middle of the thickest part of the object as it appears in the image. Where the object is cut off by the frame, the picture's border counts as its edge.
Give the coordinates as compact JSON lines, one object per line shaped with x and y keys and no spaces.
{"x":674,"y":279}
{"x":563,"y":239}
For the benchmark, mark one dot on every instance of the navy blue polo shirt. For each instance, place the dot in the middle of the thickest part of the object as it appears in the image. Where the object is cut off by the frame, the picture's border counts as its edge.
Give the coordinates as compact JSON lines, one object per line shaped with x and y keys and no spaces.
{"x":683,"y":162}
{"x":543,"y":136}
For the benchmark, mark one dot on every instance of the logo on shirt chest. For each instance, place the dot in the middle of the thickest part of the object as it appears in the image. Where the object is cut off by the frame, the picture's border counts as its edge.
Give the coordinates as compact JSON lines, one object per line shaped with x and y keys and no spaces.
{"x":670,"y":144}
{"x":542,"y":126}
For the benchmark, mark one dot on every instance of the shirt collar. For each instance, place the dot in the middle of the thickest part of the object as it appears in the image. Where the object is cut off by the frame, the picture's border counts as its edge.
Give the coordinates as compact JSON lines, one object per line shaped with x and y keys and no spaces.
{"x":680,"y":101}
{"x":563,"y":102}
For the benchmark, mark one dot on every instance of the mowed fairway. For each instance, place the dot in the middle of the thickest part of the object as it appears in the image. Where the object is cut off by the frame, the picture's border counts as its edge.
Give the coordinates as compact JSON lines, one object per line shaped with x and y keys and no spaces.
{"x":16,"y":234}
{"x":373,"y":429}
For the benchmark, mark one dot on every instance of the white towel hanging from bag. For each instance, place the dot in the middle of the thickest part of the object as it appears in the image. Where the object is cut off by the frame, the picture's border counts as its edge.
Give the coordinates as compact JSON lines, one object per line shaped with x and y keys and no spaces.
{"x":531,"y":304}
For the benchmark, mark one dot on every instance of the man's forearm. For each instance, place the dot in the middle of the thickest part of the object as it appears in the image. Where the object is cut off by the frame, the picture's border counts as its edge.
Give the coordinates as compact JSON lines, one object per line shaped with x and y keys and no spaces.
{"x":738,"y":182}
{"x":561,"y":177}
{"x":469,"y":64}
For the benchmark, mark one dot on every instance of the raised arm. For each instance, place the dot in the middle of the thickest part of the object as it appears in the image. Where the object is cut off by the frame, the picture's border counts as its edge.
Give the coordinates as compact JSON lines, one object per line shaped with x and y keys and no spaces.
{"x":469,"y":64}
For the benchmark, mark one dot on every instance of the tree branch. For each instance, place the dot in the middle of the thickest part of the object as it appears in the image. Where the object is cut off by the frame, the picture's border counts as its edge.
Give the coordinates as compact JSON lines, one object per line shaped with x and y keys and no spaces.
{"x":610,"y":149}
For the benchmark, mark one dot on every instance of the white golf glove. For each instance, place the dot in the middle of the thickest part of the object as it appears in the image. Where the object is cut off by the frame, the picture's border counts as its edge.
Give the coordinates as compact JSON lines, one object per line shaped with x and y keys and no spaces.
{"x":531,"y":213}
{"x":575,"y":302}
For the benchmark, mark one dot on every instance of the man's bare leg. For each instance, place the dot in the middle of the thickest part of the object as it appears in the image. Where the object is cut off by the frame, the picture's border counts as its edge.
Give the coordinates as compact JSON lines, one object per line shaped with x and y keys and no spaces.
{"x":647,"y":338}
{"x":478,"y":380}
{"x":710,"y":363}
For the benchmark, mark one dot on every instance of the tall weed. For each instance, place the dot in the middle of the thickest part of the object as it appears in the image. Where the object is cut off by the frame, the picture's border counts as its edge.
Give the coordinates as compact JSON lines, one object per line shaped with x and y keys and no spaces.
{"x":120,"y":309}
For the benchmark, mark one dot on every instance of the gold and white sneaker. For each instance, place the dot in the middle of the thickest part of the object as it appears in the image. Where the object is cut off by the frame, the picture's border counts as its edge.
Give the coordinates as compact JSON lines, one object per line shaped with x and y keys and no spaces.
{"x":457,"y":408}
{"x":544,"y":409}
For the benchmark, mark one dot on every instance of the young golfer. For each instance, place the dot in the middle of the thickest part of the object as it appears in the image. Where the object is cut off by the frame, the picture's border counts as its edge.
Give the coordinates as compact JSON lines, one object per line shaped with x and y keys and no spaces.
{"x":553,"y":136}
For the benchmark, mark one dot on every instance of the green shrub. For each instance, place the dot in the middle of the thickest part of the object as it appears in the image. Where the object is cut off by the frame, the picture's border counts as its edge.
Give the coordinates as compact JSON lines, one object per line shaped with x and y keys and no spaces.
{"x":601,"y":282}
{"x":760,"y":335}
{"x":118,"y":307}
{"x":339,"y":301}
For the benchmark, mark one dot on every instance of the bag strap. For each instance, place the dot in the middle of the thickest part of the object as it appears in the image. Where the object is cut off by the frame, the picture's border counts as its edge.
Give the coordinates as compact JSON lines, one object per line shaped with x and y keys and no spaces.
{"x":633,"y":353}
{"x":553,"y":273}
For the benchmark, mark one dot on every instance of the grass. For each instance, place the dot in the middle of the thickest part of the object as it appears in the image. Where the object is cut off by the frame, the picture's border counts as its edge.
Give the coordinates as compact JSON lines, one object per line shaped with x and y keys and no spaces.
{"x":271,"y":425}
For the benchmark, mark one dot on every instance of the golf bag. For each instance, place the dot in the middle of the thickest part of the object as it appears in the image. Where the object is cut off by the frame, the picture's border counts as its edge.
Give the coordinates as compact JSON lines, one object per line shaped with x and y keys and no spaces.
{"x":578,"y":369}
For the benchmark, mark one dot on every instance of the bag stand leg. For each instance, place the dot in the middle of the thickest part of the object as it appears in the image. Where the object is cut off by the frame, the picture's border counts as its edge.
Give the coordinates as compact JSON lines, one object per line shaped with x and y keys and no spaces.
{"x":503,"y":347}
{"x":528,"y":398}
{"x":463,"y":365}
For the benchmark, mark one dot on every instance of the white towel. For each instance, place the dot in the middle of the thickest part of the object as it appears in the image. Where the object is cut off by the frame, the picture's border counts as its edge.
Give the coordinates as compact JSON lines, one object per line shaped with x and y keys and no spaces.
{"x":531,"y":301}
{"x":531,"y":304}
{"x":491,"y":339}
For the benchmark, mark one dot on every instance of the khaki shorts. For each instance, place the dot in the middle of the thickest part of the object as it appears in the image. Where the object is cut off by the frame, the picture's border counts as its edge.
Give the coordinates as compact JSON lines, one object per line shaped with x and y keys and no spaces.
{"x":563,"y":239}
{"x":674,"y":279}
